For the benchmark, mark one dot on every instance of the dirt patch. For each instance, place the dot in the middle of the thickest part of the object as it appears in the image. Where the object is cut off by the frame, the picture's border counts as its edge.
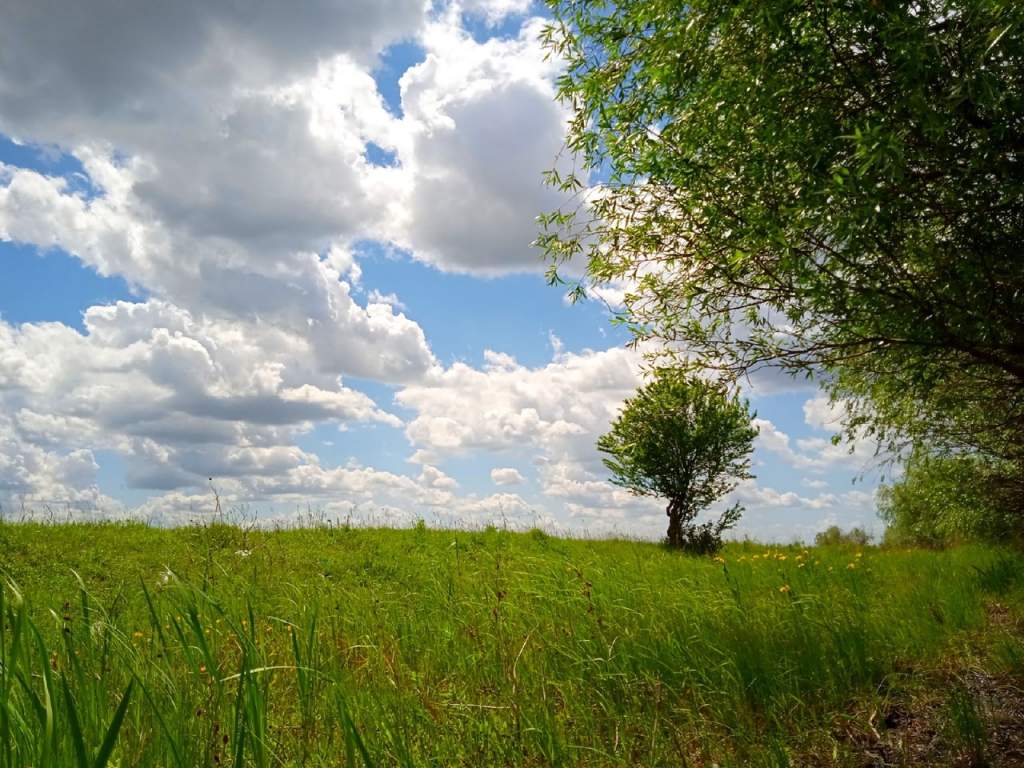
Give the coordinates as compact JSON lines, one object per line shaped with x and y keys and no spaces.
{"x":969,"y":713}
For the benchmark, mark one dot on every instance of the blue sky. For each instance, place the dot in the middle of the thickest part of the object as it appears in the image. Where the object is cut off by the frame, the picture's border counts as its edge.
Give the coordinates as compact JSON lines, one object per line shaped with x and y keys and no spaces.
{"x":310,"y":279}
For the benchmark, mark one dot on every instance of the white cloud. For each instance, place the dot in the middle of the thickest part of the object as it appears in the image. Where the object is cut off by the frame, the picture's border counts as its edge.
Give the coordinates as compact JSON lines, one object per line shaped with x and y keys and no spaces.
{"x":42,"y":482}
{"x":821,"y":413}
{"x":482,"y":126}
{"x":506,"y":476}
{"x":553,"y":415}
{"x":212,"y":137}
{"x":813,"y":453}
{"x":224,"y":151}
{"x":507,"y":406}
{"x":787,"y":516}
{"x":494,"y":11}
{"x":68,"y":73}
{"x":223,"y":155}
{"x":301,"y":295}
{"x":356,"y":494}
{"x":183,"y":397}
{"x":390,"y":299}
{"x":213,"y":195}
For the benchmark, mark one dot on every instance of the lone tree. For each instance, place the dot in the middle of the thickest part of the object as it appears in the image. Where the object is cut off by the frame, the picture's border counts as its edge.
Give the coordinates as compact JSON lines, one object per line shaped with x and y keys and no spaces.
{"x":685,"y":439}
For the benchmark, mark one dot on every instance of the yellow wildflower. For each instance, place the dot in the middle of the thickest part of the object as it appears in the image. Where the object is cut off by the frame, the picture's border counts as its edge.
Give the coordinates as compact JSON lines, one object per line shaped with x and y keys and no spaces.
{"x":784,"y":589}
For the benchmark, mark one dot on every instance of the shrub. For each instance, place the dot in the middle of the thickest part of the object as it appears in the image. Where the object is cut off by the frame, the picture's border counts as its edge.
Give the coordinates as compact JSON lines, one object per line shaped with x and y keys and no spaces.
{"x":835,"y":536}
{"x":945,"y":498}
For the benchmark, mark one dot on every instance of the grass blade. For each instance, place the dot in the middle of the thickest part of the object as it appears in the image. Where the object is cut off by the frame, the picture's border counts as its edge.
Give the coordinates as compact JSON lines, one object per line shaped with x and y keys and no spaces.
{"x":239,"y":720}
{"x":171,"y":741}
{"x":75,"y":727}
{"x":352,"y":738}
{"x":115,"y":725}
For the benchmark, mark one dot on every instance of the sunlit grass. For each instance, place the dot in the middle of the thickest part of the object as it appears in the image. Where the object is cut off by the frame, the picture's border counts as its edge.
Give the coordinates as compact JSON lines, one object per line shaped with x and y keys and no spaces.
{"x":328,"y":647}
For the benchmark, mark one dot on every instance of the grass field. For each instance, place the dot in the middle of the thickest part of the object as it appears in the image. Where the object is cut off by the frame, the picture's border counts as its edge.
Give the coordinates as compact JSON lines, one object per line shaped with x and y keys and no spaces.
{"x":123,"y":645}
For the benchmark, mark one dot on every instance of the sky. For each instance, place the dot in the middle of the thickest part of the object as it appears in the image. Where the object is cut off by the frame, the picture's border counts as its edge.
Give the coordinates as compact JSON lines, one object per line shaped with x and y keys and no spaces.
{"x":282,"y":253}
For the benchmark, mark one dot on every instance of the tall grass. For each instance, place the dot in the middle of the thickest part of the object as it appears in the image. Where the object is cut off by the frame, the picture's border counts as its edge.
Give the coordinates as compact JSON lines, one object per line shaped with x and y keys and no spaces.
{"x":126,"y":646}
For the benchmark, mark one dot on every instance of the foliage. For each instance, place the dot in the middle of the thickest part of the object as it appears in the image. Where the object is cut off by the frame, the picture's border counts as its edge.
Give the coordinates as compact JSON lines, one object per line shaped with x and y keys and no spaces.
{"x":831,"y":187}
{"x":945,"y":498}
{"x":358,"y":647}
{"x":834,"y":536}
{"x":685,"y":439}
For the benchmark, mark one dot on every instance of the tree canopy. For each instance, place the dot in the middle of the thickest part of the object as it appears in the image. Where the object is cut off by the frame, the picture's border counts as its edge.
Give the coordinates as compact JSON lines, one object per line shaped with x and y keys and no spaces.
{"x":684,"y":439}
{"x":832,"y":187}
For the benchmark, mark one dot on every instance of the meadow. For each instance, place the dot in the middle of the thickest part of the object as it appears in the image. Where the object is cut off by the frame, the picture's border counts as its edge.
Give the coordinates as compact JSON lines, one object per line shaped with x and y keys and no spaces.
{"x":123,"y":645}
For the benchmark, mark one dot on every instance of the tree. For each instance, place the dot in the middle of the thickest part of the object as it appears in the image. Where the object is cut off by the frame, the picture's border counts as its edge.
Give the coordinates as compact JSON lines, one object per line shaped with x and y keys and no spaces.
{"x":834,"y":187}
{"x":944,"y":498}
{"x":685,"y":439}
{"x":834,"y":536}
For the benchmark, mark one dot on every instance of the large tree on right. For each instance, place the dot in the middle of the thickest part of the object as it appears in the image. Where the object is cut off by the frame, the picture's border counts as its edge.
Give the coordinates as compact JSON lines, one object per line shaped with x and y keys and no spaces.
{"x":834,"y":187}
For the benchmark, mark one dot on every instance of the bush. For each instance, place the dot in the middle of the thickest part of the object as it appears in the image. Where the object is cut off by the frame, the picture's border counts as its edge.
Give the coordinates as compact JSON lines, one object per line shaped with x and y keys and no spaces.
{"x":945,"y":498}
{"x":835,"y":536}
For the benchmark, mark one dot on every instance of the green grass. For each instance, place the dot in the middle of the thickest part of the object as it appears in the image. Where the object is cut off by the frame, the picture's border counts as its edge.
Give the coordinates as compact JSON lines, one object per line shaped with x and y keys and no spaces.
{"x":129,"y":646}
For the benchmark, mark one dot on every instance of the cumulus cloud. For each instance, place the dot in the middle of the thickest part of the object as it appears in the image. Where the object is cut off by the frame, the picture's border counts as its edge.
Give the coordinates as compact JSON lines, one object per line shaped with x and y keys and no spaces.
{"x":822,"y":413}
{"x":506,"y":476}
{"x":300,"y":294}
{"x":209,"y":137}
{"x":185,"y":397}
{"x":226,"y":174}
{"x":787,"y":516}
{"x":224,"y":154}
{"x":495,"y":11}
{"x":70,"y":72}
{"x":226,"y":162}
{"x":506,"y":406}
{"x":221,"y":153}
{"x":483,"y":126}
{"x":814,"y":453}
{"x":49,"y":482}
{"x":347,"y":494}
{"x":551,"y":416}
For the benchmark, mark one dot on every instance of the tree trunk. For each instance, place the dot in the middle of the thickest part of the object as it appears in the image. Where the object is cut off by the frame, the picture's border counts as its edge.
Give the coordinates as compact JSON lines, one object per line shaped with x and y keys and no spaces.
{"x":675,"y":523}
